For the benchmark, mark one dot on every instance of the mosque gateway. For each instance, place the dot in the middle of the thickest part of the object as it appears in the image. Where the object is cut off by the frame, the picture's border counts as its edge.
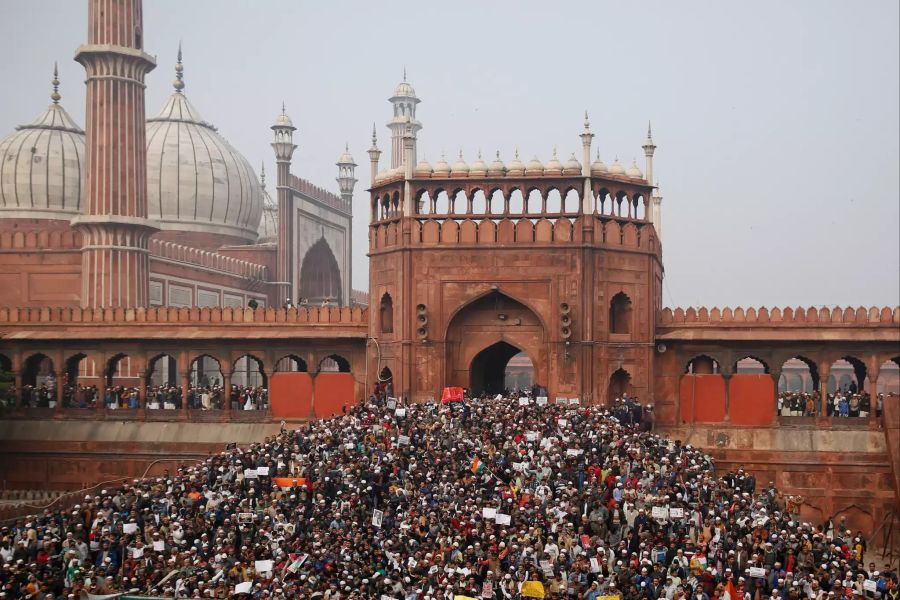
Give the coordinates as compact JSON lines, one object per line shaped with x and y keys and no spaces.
{"x":163,"y":301}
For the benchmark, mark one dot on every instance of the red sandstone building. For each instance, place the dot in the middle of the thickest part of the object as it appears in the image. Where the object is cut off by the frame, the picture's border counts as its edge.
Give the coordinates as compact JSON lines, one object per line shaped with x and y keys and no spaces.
{"x":126,"y":262}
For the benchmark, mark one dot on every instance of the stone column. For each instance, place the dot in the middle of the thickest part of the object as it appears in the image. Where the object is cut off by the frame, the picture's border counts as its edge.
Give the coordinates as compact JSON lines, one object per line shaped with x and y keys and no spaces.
{"x":776,"y":377}
{"x":226,"y":393}
{"x":185,"y":388}
{"x":726,"y":377}
{"x":59,"y":371}
{"x":144,"y":373}
{"x":824,"y":372}
{"x":20,"y":399}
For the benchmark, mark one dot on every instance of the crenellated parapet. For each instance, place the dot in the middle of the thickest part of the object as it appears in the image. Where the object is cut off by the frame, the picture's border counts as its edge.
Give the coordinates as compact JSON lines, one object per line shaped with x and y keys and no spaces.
{"x":11,"y":317}
{"x":319,"y":194}
{"x":788,"y":317}
{"x":207,"y":260}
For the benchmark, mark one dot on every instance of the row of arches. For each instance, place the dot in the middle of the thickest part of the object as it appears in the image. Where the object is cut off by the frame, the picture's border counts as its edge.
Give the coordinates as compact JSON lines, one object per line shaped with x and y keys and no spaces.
{"x":514,"y":201}
{"x":42,"y":380}
{"x":751,"y":392}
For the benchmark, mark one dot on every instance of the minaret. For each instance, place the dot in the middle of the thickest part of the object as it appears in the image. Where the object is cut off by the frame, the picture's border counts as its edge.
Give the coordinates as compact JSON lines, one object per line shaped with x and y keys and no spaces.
{"x":346,"y":180}
{"x":656,"y":211}
{"x":284,"y":149}
{"x":649,"y":148}
{"x":115,"y":230}
{"x":587,"y":139}
{"x":374,"y":156}
{"x":404,"y":101}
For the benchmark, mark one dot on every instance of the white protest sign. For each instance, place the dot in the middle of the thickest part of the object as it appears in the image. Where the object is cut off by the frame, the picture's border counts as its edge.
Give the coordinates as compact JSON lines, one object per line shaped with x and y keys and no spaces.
{"x":563,"y":422}
{"x":250,"y":474}
{"x":400,"y":412}
{"x":574,"y":402}
{"x":245,"y":587}
{"x":870,"y":585}
{"x":487,"y":589}
{"x":595,"y":565}
{"x":488,"y":513}
{"x":659,"y":512}
{"x":758,"y":572}
{"x":523,"y":401}
{"x":562,"y":400}
{"x":262,"y":471}
{"x":377,"y":517}
{"x":392,"y":403}
{"x":129,"y":528}
{"x":546,"y":568}
{"x":159,"y":545}
{"x":403,"y":440}
{"x":676,"y":513}
{"x":542,"y":400}
{"x":531,"y":436}
{"x":502,"y":519}
{"x":245,"y":517}
{"x":263,"y":566}
{"x":574,"y":452}
{"x":137,"y":552}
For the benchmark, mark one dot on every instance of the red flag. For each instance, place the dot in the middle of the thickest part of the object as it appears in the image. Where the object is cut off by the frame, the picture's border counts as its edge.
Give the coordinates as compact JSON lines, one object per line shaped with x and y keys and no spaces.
{"x":452,"y":394}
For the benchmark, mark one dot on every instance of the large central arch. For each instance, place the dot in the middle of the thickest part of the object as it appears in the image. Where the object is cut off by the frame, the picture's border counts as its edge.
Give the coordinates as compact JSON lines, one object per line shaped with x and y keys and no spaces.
{"x":484,"y":334}
{"x":320,"y":276}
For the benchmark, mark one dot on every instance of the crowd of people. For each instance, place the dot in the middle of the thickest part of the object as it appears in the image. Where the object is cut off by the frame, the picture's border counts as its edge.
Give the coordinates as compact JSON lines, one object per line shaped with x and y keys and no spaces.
{"x":159,"y":397}
{"x":841,"y":404}
{"x":491,"y":498}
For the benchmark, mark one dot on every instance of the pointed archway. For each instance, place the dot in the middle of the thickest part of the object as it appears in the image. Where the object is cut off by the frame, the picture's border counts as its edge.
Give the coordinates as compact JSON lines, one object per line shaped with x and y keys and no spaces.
{"x":485,"y":333}
{"x":488,"y":369}
{"x":320,"y":276}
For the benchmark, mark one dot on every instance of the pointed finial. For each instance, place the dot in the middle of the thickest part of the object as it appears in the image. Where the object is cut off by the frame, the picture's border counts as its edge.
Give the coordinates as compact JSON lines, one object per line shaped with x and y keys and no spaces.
{"x":55,"y":95}
{"x":554,"y":152}
{"x":649,"y":132}
{"x":479,"y":154}
{"x":404,"y":73}
{"x":178,"y":84}
{"x":598,"y":153}
{"x":498,"y":155}
{"x":374,"y":136}
{"x":460,"y":154}
{"x":587,"y":123}
{"x":346,"y":146}
{"x":283,"y":109}
{"x":262,"y":175}
{"x":517,"y":153}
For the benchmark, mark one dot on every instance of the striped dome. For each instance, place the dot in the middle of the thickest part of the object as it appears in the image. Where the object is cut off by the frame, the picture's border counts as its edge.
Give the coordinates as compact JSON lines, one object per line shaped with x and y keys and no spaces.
{"x":196,"y":180}
{"x":41,"y":167}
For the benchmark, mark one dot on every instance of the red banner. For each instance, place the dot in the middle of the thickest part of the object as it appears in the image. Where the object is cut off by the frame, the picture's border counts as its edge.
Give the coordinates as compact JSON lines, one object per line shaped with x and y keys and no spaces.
{"x":452,"y":394}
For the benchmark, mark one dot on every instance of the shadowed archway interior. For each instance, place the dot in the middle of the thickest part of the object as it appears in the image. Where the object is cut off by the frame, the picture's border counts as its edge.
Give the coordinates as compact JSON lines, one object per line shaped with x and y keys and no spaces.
{"x":488,"y":370}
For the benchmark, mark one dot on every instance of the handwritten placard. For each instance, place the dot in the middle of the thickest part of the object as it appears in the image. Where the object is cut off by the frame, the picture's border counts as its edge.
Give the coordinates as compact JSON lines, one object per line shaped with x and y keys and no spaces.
{"x":659,"y":512}
{"x":400,"y":412}
{"x":676,"y":513}
{"x":488,"y":513}
{"x":403,"y":440}
{"x":250,"y":474}
{"x":129,"y":528}
{"x":523,"y":401}
{"x":377,"y":518}
{"x":758,"y":572}
{"x":262,"y":471}
{"x":502,"y":519}
{"x":542,"y":400}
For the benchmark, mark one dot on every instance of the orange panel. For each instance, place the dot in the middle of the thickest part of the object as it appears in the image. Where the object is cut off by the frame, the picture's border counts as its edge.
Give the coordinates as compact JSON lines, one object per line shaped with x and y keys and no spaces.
{"x":334,"y":391}
{"x":751,"y":399}
{"x":290,"y":395}
{"x":702,"y":398}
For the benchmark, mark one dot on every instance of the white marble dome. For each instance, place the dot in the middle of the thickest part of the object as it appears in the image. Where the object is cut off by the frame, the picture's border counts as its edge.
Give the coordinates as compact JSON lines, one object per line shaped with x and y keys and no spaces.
{"x":41,"y":167}
{"x":634,"y":171}
{"x":196,"y":180}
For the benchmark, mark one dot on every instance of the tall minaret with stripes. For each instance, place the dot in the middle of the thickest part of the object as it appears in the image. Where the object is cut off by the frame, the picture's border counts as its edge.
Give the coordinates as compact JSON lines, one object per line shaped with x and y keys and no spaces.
{"x":114,"y":226}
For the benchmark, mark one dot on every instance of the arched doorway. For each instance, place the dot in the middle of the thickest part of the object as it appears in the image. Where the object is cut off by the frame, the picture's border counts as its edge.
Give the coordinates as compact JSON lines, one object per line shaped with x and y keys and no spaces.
{"x":484,"y":335}
{"x":619,"y":384}
{"x":488,"y":369}
{"x":320,"y":276}
{"x":519,"y":373}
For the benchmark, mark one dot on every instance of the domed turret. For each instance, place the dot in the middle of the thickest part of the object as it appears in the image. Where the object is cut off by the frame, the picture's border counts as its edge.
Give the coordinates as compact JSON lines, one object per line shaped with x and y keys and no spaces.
{"x":196,"y":180}
{"x":515,"y":167}
{"x":598,"y":167}
{"x":441,"y":168}
{"x":572,"y":166}
{"x":41,"y":166}
{"x":617,"y":168}
{"x":497,"y":168}
{"x":634,"y":171}
{"x":460,"y":168}
{"x":478,"y":168}
{"x":424,"y":169}
{"x":553,"y":166}
{"x":534,"y":167}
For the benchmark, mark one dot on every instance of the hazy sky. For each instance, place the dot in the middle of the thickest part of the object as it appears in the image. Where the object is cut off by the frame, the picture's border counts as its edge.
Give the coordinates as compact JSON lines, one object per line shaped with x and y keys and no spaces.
{"x":776,"y":122}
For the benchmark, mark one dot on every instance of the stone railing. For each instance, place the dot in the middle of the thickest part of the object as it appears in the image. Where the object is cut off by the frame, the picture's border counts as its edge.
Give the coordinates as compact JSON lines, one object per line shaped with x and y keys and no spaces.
{"x":780,"y":316}
{"x":194,"y":315}
{"x":206,"y":260}
{"x":40,"y":239}
{"x":319,"y":194}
